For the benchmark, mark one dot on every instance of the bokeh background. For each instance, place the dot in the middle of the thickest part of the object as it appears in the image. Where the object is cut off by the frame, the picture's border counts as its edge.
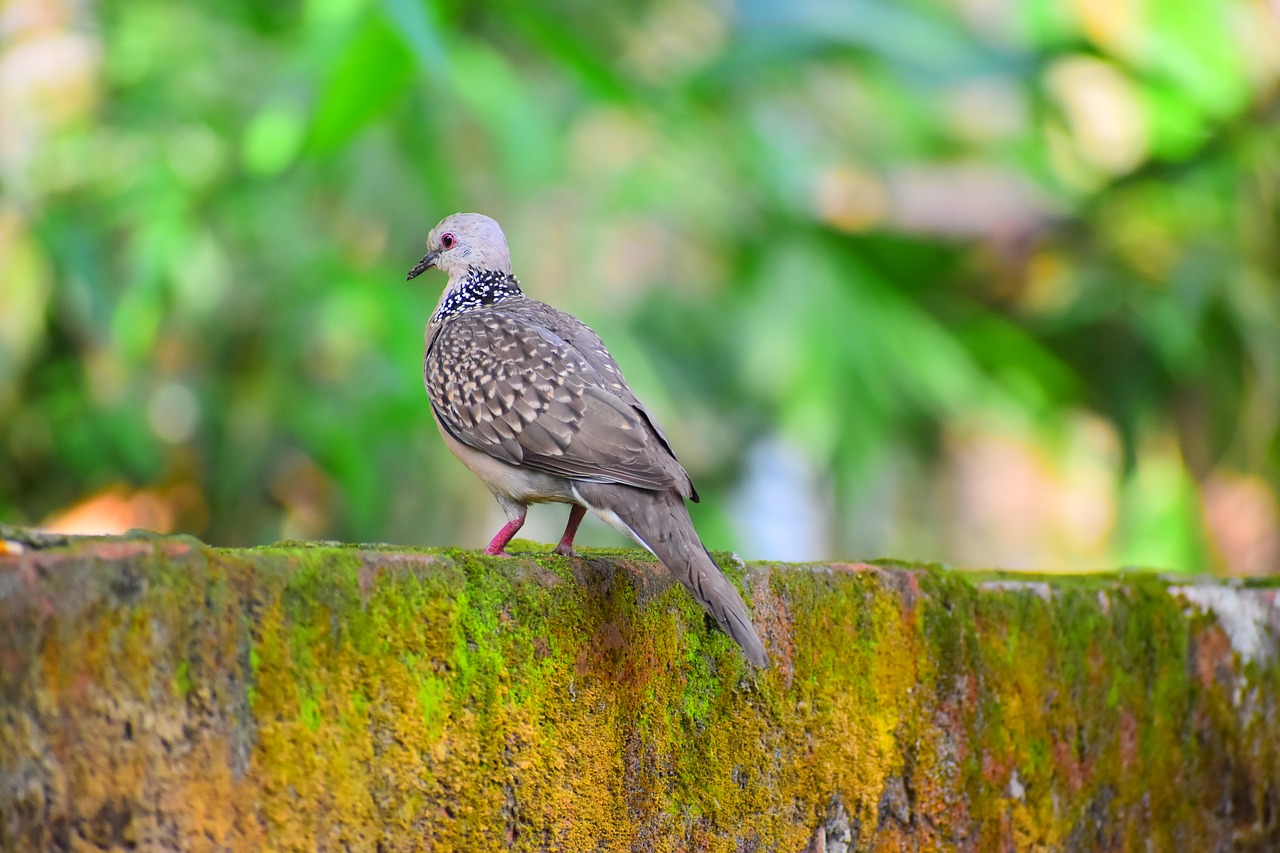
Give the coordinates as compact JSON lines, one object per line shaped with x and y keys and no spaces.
{"x":992,"y":282}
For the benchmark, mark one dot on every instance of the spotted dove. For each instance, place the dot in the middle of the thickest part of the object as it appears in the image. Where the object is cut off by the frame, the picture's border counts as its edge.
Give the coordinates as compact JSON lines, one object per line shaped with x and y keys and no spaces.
{"x":530,"y":400}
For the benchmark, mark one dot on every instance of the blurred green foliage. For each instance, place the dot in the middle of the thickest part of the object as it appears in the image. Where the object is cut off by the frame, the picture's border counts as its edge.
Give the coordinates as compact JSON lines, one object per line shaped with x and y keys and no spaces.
{"x":1001,"y":278}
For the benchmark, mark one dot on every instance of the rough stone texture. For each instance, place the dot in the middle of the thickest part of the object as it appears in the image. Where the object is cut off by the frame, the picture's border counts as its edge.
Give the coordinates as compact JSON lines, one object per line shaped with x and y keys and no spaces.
{"x":159,"y":693}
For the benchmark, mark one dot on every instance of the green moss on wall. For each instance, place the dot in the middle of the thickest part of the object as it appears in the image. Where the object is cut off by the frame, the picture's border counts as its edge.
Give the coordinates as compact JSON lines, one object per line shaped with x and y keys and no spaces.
{"x":157,"y":691}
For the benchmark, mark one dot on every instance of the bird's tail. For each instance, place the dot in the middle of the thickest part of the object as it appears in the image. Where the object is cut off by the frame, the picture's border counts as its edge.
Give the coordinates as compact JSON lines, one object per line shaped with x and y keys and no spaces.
{"x":659,"y":521}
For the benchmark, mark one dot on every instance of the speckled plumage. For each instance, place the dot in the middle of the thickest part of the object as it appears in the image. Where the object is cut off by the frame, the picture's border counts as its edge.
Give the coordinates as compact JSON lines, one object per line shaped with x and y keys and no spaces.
{"x":529,"y":399}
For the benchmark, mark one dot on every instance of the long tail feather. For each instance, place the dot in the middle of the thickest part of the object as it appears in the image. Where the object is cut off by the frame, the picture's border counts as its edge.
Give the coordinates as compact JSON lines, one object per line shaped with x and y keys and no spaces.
{"x":659,"y":521}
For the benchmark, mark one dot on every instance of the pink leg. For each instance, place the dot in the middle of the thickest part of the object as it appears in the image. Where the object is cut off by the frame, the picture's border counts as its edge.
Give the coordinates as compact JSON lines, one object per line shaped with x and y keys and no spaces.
{"x":565,"y":548}
{"x":504,"y":536}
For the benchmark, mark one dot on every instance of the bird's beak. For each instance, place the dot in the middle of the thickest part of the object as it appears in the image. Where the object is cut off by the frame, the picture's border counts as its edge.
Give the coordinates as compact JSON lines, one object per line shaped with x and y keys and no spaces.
{"x":428,"y":261}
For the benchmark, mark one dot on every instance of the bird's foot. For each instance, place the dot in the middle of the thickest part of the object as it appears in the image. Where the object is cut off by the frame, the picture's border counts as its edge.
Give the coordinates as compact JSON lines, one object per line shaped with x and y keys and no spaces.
{"x":498,"y":547}
{"x":565,"y":548}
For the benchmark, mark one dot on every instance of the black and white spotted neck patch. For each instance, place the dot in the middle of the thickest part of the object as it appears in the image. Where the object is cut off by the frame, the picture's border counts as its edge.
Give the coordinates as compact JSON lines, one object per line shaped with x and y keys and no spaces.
{"x":478,"y":289}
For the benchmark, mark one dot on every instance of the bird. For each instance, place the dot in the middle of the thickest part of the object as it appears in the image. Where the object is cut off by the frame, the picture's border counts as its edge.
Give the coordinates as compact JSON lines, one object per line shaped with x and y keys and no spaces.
{"x":531,"y":401}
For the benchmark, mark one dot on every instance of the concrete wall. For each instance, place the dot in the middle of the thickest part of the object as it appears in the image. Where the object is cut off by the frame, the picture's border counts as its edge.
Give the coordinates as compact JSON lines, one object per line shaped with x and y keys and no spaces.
{"x":156,"y":692}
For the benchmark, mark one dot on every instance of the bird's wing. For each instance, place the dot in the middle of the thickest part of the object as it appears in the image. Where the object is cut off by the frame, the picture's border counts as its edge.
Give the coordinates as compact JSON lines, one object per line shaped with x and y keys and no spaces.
{"x":503,"y":383}
{"x":584,"y":339}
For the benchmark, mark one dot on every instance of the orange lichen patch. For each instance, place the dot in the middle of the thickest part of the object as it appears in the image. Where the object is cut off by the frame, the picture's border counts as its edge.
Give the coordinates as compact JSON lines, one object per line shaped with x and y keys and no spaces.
{"x":175,"y":547}
{"x":1213,"y":655}
{"x":1069,"y":765}
{"x":124,"y":549}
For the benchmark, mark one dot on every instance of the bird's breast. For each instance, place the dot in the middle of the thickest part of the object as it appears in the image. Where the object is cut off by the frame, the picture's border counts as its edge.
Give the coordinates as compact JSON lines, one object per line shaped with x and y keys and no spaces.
{"x":521,"y":485}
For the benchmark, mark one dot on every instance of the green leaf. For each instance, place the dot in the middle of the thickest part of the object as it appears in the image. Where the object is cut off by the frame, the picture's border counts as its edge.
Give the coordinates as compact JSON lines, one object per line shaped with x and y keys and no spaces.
{"x":376,"y":67}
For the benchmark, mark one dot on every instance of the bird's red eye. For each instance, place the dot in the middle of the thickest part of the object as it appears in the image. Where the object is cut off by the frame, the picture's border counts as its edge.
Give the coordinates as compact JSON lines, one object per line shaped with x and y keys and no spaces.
{"x":447,"y":241}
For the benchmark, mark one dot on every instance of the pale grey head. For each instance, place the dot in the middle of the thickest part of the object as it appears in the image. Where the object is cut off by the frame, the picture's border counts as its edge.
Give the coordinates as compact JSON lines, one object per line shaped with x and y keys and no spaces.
{"x":463,"y":242}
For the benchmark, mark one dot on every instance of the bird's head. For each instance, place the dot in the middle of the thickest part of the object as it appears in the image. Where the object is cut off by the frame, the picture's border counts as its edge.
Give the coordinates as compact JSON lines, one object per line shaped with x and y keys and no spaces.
{"x":465,"y":241}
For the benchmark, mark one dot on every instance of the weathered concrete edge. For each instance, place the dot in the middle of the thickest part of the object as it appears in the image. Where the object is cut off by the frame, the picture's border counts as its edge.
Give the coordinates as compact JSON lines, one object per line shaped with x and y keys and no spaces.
{"x":449,"y":691}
